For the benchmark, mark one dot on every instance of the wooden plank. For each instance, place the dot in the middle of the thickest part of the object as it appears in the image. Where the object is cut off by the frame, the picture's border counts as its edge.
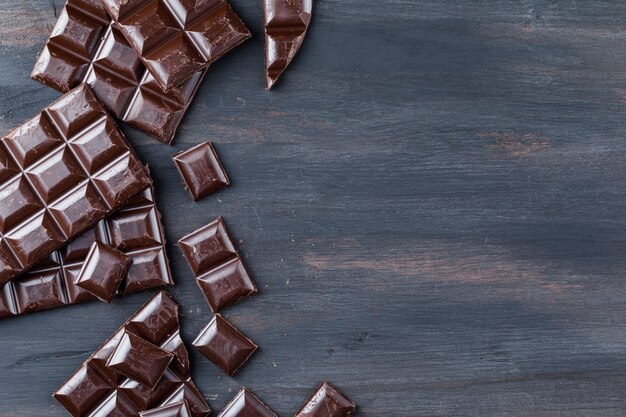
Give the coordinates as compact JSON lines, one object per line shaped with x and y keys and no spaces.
{"x":432,"y":203}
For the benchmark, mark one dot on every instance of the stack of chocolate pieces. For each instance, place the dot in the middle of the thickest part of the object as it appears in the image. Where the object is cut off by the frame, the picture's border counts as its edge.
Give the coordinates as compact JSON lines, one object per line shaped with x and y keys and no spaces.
{"x":144,"y":365}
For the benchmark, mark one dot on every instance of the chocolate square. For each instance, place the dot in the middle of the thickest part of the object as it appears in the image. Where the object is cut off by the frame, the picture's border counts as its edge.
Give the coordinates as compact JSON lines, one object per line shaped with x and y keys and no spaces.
{"x":224,"y":345}
{"x":103,"y":271}
{"x":201,"y":170}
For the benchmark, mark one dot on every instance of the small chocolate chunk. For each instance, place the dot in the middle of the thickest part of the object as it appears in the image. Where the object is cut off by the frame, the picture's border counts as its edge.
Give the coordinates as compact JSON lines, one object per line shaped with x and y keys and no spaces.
{"x":139,"y":360}
{"x":173,"y":410}
{"x":224,"y":345}
{"x":201,"y":170}
{"x":217,"y":266}
{"x":103,"y":271}
{"x":327,"y":401}
{"x":246,"y":404}
{"x":286,"y":24}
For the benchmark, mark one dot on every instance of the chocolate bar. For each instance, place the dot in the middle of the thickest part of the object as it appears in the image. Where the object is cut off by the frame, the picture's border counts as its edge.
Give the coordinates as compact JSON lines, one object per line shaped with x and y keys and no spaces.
{"x":217,"y":266}
{"x":85,"y":46}
{"x":97,"y":389}
{"x":224,"y":345}
{"x":327,"y":401}
{"x":173,"y":410}
{"x":286,"y":24}
{"x":201,"y":170}
{"x":176,"y":38}
{"x":246,"y":404}
{"x":135,"y":230}
{"x":60,"y":173}
{"x":103,"y":271}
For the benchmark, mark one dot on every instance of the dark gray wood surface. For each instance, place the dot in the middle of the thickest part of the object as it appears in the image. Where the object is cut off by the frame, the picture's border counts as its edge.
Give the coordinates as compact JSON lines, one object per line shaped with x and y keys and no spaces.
{"x":433,"y":203}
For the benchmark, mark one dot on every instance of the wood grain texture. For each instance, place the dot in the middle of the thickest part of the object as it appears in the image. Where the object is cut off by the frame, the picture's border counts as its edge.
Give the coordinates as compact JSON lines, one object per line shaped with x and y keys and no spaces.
{"x":432,"y":202}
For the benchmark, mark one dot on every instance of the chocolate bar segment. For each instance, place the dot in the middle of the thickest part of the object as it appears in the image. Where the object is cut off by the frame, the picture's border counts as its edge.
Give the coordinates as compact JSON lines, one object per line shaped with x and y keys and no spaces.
{"x":98,"y":390}
{"x":173,"y":410}
{"x":217,"y":266}
{"x":327,"y":401}
{"x":85,"y":46}
{"x":135,"y":230}
{"x":224,"y":345}
{"x":286,"y":24}
{"x":201,"y":170}
{"x":103,"y":271}
{"x":139,"y":360}
{"x":176,"y":38}
{"x":65,"y":169}
{"x":246,"y":404}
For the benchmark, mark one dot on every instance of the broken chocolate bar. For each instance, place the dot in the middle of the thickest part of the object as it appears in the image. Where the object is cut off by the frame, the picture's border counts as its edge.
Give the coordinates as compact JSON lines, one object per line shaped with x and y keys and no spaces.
{"x":85,"y":46}
{"x":217,"y":266}
{"x":135,"y":230}
{"x":60,"y":173}
{"x":176,"y":38}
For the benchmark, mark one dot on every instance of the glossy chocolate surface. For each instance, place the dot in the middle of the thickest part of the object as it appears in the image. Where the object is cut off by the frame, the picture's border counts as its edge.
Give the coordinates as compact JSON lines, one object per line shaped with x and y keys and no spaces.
{"x":246,"y":404}
{"x":286,"y":24}
{"x":103,"y":271}
{"x":224,"y":345}
{"x":176,"y":38}
{"x":98,"y":390}
{"x":217,"y":266}
{"x":327,"y":401}
{"x":135,"y":230}
{"x":139,"y":360}
{"x":201,"y":170}
{"x":85,"y":46}
{"x":61,"y":172}
{"x":173,"y":410}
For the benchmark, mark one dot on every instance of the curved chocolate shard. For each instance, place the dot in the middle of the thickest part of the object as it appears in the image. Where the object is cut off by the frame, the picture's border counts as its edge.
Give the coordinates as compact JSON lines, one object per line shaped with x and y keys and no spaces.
{"x":286,"y":24}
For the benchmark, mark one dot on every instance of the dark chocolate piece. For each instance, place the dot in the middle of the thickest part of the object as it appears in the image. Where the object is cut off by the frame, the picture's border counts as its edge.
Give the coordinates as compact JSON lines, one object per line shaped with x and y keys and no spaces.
{"x":135,"y":230}
{"x":217,"y":266}
{"x":176,"y":38}
{"x":173,"y":410}
{"x":139,"y":360}
{"x":96,"y":390}
{"x":327,"y":401}
{"x":286,"y":23}
{"x":85,"y":46}
{"x":62,"y":172}
{"x":224,"y":345}
{"x":246,"y":404}
{"x":103,"y":271}
{"x":201,"y":170}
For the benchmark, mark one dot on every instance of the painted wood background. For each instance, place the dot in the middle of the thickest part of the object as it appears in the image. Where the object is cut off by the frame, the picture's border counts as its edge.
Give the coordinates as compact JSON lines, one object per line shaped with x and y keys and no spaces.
{"x":433,"y":203}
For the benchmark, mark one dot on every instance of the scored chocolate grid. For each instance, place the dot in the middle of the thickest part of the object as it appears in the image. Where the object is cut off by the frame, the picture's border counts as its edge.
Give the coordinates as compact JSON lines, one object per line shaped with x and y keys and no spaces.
{"x":81,"y":48}
{"x":47,"y":193}
{"x":174,"y":38}
{"x":52,"y":282}
{"x":96,"y":390}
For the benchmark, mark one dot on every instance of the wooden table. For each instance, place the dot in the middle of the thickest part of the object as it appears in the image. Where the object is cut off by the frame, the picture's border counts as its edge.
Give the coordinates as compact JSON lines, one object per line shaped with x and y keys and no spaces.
{"x":432,"y":202}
